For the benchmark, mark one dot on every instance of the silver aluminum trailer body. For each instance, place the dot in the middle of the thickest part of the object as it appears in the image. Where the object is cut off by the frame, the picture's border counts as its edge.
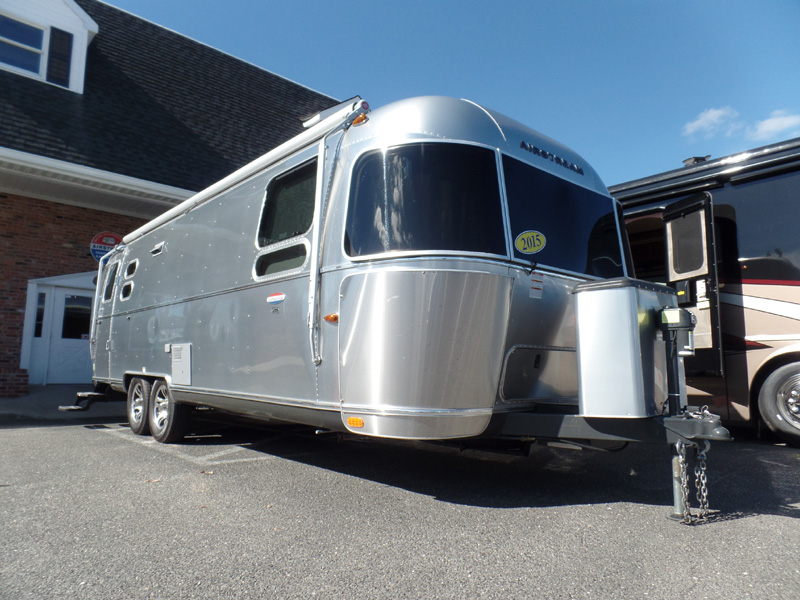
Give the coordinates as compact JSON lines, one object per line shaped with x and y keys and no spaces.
{"x":410,"y":272}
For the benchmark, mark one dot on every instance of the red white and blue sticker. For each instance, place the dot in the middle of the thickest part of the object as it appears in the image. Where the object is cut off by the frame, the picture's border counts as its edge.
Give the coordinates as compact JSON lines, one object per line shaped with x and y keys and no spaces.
{"x":103,"y":243}
{"x":276,"y":298}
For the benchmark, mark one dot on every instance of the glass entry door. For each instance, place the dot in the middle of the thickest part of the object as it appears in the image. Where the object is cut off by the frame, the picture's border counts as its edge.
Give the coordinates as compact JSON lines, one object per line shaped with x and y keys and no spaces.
{"x":68,"y":360}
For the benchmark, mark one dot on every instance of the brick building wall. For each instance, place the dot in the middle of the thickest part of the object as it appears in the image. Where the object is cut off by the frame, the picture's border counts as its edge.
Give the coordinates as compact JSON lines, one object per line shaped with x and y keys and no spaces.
{"x":41,"y":239}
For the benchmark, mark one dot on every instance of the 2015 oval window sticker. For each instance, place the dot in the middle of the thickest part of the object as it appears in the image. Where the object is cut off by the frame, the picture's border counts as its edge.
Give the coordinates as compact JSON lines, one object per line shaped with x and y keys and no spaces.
{"x":530,"y":242}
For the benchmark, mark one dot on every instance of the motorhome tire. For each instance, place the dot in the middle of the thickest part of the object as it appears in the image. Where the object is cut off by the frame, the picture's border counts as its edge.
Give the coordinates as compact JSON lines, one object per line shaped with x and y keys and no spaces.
{"x":137,"y":406}
{"x":779,"y":403}
{"x":167,"y":419}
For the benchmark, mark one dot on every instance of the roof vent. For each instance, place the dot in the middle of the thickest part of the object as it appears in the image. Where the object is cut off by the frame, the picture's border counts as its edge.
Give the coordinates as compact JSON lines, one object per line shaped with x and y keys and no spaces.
{"x":695,"y":160}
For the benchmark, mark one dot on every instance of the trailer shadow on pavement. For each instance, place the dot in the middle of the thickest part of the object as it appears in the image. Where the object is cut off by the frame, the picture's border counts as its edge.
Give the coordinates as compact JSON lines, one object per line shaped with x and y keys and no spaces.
{"x":745,"y":478}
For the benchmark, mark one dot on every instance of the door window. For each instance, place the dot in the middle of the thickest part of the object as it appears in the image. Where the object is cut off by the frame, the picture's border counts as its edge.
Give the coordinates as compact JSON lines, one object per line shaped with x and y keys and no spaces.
{"x":77,"y":317}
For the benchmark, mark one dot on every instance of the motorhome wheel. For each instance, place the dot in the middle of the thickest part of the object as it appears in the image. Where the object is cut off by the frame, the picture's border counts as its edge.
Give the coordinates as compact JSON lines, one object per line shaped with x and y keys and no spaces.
{"x":167,"y":418}
{"x":138,"y":399}
{"x":779,"y":403}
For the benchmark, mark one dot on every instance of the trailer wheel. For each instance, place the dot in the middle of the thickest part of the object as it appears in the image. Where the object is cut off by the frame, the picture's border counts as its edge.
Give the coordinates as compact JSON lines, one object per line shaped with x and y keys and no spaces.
{"x":167,"y":419}
{"x":138,"y":401}
{"x":779,"y":403}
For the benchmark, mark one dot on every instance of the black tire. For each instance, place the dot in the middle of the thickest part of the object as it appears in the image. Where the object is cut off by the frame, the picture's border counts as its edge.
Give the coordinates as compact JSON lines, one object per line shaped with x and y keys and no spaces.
{"x":167,"y":418}
{"x":137,"y":406}
{"x":779,"y":403}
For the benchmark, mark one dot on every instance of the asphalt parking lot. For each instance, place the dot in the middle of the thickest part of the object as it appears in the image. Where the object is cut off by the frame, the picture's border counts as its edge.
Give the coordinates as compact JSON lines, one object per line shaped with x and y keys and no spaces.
{"x":89,"y":510}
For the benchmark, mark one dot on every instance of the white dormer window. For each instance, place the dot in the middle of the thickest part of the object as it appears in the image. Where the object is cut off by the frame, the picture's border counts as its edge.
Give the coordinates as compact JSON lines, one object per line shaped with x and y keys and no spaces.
{"x":46,"y":40}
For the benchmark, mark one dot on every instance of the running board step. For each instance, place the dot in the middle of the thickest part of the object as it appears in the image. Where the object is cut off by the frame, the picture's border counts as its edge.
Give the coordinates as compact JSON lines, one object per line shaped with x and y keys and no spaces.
{"x":90,"y":397}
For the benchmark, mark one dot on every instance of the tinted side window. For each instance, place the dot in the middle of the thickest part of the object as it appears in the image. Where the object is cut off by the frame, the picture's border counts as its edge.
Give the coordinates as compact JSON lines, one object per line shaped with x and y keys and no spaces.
{"x":756,"y":230}
{"x":289,"y":206}
{"x":108,"y":291}
{"x":557,"y":223}
{"x":425,"y":197}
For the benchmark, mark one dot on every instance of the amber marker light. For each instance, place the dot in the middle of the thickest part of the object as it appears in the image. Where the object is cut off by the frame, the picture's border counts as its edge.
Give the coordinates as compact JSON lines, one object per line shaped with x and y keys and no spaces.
{"x":332,"y":318}
{"x":360,"y":119}
{"x":355,"y":422}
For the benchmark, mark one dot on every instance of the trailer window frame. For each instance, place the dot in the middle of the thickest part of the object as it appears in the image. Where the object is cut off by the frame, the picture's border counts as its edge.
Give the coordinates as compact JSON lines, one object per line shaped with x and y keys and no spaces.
{"x":279,"y":224}
{"x":110,"y":281}
{"x":131,"y":268}
{"x":264,"y":271}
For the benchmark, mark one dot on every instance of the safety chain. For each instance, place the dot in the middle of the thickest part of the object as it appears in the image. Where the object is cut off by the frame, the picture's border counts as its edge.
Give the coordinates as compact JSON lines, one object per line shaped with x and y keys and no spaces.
{"x":701,"y":482}
{"x":687,"y":514}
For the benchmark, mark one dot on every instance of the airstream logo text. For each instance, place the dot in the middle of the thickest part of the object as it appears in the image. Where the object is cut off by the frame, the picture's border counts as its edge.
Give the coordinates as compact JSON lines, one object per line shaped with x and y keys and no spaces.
{"x":551,"y":157}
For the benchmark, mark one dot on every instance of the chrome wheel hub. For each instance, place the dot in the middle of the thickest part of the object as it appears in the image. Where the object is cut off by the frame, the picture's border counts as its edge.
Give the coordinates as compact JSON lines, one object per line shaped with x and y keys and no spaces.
{"x":789,"y":400}
{"x":137,"y":405}
{"x":161,"y":409}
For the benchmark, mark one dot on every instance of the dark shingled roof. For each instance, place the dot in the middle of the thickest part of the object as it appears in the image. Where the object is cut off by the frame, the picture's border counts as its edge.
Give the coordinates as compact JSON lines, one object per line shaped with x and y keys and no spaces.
{"x":156,"y":105}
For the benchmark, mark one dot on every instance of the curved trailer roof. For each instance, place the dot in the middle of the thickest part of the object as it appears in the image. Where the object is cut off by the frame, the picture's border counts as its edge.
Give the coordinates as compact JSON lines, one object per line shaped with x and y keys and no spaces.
{"x":427,"y":117}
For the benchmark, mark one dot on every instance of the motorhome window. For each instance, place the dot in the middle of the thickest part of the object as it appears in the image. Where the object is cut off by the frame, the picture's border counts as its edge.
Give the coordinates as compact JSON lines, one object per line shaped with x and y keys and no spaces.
{"x":108,"y":292}
{"x":289,"y":205}
{"x":560,"y":224}
{"x":757,"y":239}
{"x":646,"y":235}
{"x":281,"y":260}
{"x":425,"y":197}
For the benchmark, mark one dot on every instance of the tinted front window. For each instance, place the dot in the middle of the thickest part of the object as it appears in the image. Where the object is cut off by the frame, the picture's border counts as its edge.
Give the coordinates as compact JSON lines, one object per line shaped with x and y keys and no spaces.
{"x":425,"y":197}
{"x":557,"y":223}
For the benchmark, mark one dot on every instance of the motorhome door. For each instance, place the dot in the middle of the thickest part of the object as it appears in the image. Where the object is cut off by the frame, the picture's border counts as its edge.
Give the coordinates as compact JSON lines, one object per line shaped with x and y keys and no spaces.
{"x":692,"y":271}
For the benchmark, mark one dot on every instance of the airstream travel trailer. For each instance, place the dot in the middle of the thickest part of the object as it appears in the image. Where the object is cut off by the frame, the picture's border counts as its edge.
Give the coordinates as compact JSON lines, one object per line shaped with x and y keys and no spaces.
{"x":428,"y":270}
{"x":746,"y":298}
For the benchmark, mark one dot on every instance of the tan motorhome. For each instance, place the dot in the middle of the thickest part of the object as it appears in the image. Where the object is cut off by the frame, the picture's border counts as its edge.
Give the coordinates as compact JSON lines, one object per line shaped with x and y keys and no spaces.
{"x":743,"y":211}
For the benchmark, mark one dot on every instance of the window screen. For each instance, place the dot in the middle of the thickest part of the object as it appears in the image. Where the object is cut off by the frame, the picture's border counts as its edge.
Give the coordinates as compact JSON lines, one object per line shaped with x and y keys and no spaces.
{"x":687,"y":235}
{"x":425,"y":197}
{"x":289,"y":206}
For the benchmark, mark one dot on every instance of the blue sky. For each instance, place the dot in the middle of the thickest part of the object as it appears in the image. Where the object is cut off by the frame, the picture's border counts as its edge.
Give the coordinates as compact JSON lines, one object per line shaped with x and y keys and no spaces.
{"x":633,"y":86}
